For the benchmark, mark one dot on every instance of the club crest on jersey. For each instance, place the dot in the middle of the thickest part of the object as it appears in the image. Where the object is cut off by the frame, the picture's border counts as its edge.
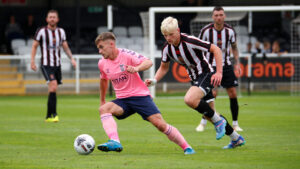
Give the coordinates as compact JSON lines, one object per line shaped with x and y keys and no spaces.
{"x":51,"y":76}
{"x":219,"y":43}
{"x":122,"y":67}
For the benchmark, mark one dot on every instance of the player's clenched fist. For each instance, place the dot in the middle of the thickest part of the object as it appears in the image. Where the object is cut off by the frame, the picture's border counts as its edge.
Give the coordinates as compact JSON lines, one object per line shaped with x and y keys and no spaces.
{"x":150,"y":82}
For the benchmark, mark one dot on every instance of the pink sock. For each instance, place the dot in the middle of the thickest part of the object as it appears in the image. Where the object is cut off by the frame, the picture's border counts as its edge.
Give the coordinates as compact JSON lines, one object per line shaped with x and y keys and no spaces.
{"x":175,"y":136}
{"x":110,"y":126}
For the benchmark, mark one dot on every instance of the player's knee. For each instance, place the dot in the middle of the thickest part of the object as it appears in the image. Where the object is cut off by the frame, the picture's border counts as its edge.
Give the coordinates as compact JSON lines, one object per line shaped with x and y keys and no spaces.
{"x":232,"y":95}
{"x":161,"y":126}
{"x":52,"y":89}
{"x":232,"y":92}
{"x":103,"y":110}
{"x":190,"y":101}
{"x":52,"y":86}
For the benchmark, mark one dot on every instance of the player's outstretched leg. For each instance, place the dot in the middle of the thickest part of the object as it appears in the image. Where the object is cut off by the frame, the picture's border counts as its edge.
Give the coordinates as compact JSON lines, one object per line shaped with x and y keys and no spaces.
{"x":236,"y":139}
{"x":110,"y":128}
{"x":171,"y":132}
{"x":218,"y":121}
{"x":174,"y":135}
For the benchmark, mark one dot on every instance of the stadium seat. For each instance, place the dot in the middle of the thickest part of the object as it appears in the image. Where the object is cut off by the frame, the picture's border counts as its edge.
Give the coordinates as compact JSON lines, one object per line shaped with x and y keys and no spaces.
{"x":253,"y":39}
{"x":241,"y":30}
{"x":126,"y":41}
{"x":23,"y":50}
{"x":120,"y":31}
{"x":138,"y":40}
{"x":136,"y":47}
{"x":101,"y":29}
{"x":29,"y":42}
{"x":16,"y":43}
{"x":135,"y":31}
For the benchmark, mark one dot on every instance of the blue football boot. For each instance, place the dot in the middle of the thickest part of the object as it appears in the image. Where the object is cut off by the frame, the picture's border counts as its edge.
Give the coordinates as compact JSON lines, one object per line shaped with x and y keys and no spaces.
{"x":220,"y":128}
{"x":189,"y":150}
{"x":111,"y":145}
{"x":233,"y":144}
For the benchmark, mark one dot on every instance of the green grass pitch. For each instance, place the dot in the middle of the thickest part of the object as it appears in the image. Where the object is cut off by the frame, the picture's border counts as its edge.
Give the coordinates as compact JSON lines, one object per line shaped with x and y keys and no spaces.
{"x":271,"y":128}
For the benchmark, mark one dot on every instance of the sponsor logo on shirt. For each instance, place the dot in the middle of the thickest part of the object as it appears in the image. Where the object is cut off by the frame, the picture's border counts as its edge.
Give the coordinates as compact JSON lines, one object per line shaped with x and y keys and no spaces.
{"x":122,"y":78}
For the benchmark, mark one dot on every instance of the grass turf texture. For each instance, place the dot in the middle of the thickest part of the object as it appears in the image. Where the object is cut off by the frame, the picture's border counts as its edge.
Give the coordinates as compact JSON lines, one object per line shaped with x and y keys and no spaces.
{"x":271,"y":128}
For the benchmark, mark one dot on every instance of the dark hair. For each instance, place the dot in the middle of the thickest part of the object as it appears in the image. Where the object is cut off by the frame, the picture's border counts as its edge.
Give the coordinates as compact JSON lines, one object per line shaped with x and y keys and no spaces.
{"x":52,"y":11}
{"x":218,"y":8}
{"x":105,"y":36}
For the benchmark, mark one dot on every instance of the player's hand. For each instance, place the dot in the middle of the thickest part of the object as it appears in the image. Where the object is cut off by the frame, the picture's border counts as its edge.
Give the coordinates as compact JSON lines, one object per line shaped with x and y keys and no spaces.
{"x":73,"y":61}
{"x":150,"y":82}
{"x":216,"y":79}
{"x":131,"y":69}
{"x":237,"y":69}
{"x":33,"y":66}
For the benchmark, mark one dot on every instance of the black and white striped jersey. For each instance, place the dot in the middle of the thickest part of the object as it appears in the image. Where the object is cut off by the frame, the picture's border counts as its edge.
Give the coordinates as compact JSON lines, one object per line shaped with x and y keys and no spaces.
{"x":223,"y":39}
{"x":189,"y":54}
{"x":50,"y":44}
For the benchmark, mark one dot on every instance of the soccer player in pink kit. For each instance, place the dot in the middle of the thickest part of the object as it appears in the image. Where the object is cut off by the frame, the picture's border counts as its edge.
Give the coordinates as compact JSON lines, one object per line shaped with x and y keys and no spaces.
{"x":121,"y":66}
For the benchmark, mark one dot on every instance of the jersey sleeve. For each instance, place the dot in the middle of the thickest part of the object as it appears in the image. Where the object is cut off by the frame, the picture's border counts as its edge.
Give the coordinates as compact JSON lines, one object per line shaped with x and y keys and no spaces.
{"x":137,"y":59}
{"x":164,"y":54}
{"x":233,"y":37}
{"x":102,"y":73}
{"x":63,"y":34}
{"x":38,"y":34}
{"x":201,"y":34}
{"x":134,"y":58}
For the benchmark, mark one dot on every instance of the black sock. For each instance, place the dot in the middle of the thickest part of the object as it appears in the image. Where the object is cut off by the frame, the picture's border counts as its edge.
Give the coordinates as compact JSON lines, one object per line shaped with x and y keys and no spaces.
{"x":51,"y":104}
{"x":234,"y":108}
{"x":204,"y":109}
{"x":228,"y":127}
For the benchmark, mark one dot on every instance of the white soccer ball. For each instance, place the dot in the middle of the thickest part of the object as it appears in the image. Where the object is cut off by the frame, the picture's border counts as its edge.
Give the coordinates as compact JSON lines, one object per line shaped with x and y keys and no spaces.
{"x":84,"y":144}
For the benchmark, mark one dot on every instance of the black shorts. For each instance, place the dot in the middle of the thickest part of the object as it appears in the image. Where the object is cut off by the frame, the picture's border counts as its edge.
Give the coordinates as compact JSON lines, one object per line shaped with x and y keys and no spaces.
{"x":203,"y":82}
{"x":229,"y":79}
{"x":52,"y":73}
{"x":209,"y":97}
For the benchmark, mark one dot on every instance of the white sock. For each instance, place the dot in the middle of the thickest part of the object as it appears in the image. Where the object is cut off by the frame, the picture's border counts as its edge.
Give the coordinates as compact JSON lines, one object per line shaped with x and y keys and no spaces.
{"x":215,"y":118}
{"x":235,"y":123}
{"x":203,"y":121}
{"x":234,"y":135}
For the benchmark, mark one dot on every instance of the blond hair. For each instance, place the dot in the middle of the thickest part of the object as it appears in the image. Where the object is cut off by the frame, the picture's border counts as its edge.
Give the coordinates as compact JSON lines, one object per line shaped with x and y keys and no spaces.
{"x":169,"y":24}
{"x":105,"y":36}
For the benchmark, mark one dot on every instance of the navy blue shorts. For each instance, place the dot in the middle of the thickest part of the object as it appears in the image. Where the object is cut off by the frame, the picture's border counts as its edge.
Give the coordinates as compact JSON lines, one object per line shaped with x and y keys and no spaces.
{"x":143,"y":105}
{"x":52,"y":73}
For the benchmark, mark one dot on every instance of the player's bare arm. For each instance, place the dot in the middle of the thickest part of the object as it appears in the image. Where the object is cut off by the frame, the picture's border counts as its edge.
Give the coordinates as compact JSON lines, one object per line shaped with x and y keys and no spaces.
{"x":161,"y":72}
{"x":35,"y":44}
{"x":69,"y":53}
{"x":146,"y":64}
{"x":103,"y":89}
{"x":235,"y":53}
{"x":217,"y":77}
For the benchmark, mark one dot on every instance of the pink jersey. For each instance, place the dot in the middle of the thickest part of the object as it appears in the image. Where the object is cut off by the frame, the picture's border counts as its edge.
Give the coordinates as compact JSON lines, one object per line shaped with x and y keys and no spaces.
{"x":125,"y":84}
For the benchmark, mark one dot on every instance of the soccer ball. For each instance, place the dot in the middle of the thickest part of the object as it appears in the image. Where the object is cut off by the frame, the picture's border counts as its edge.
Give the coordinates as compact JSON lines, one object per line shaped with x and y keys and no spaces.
{"x":84,"y":144}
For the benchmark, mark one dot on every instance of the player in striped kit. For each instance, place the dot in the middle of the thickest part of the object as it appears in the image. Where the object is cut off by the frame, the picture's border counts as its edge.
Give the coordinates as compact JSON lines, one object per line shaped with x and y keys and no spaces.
{"x":51,"y":38}
{"x":223,"y":36}
{"x":188,"y":52}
